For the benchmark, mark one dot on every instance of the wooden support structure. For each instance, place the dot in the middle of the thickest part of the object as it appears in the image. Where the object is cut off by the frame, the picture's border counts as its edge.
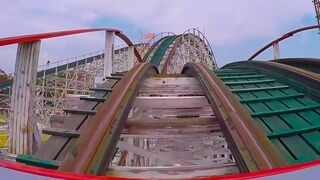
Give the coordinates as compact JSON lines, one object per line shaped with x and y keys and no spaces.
{"x":276,"y":50}
{"x":130,"y":59}
{"x":23,"y":93}
{"x":109,"y":46}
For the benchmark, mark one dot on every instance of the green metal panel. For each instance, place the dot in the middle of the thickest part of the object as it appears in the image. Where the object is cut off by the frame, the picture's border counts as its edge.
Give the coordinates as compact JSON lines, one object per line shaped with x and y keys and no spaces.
{"x":289,"y":118}
{"x":154,"y":45}
{"x":29,"y":160}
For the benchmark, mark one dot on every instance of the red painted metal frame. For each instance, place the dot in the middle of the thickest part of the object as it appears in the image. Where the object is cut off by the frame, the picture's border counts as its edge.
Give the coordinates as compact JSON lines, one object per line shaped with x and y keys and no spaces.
{"x":283,"y":37}
{"x":36,"y":37}
{"x":66,"y":175}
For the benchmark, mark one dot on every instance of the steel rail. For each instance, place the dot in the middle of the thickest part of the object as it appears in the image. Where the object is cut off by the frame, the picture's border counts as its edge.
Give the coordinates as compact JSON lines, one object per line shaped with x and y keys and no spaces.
{"x":252,"y":149}
{"x":93,"y":151}
{"x":309,"y":64}
{"x":41,"y":36}
{"x":283,"y":37}
{"x":302,"y":72}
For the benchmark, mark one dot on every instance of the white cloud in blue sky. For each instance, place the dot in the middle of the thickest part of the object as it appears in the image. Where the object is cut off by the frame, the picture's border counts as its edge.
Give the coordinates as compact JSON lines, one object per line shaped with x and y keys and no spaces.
{"x":235,"y":28}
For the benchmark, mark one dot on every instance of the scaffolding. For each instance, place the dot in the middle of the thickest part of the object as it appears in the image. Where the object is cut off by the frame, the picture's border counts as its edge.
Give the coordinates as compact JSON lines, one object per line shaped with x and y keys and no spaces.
{"x":317,"y":8}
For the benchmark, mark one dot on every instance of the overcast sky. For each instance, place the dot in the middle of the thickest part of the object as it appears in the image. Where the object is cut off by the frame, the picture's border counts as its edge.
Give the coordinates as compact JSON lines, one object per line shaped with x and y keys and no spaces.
{"x":235,"y":29}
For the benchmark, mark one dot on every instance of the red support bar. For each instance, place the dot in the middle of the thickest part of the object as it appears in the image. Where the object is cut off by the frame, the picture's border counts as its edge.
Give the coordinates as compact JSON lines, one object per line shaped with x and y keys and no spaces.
{"x":35,"y":37}
{"x":283,"y":37}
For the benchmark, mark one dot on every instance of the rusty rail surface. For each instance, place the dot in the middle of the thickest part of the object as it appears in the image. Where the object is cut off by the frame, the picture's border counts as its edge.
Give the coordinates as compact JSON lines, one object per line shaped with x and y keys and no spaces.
{"x":251,"y":148}
{"x":93,"y":151}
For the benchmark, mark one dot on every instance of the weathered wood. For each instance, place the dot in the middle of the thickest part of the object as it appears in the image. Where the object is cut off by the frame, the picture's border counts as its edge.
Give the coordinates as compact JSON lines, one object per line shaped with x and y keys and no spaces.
{"x":173,"y":172}
{"x":96,"y":99}
{"x":174,"y":113}
{"x":80,"y":111}
{"x":101,"y":89}
{"x":58,"y":120}
{"x":185,"y":130}
{"x":108,"y":57}
{"x":113,"y":77}
{"x":173,"y":123}
{"x":171,"y":102}
{"x":56,"y":147}
{"x":23,"y":92}
{"x":61,"y":132}
{"x":130,"y":57}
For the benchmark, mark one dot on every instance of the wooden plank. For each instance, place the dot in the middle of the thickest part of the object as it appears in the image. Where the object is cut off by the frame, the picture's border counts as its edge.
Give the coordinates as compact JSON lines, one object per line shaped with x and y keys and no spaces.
{"x":58,"y":120}
{"x":113,"y":77}
{"x":169,"y":81}
{"x":109,"y":53}
{"x":171,"y":131}
{"x":57,"y":147}
{"x":61,"y":132}
{"x":96,"y":99}
{"x":23,"y":92}
{"x":78,"y":111}
{"x":101,"y":89}
{"x":138,"y":151}
{"x":180,"y":172}
{"x":145,"y":123}
{"x":171,"y":102}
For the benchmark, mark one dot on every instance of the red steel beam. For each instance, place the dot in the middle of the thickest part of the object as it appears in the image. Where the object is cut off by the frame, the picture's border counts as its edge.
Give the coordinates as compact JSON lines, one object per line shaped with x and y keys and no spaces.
{"x":283,"y":37}
{"x":40,"y":36}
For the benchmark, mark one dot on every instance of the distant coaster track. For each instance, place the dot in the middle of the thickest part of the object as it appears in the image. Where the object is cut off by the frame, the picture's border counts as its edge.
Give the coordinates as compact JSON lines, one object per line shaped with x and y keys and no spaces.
{"x":193,"y":47}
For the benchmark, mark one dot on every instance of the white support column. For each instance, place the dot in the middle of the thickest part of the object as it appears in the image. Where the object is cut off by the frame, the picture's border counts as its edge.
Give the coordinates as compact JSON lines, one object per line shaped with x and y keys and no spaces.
{"x":108,"y":56}
{"x":276,"y":50}
{"x":23,"y":93}
{"x":130,"y":57}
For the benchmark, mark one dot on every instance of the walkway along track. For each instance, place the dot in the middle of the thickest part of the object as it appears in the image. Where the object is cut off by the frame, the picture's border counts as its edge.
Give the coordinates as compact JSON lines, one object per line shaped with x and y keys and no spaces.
{"x":65,"y":129}
{"x":283,"y":101}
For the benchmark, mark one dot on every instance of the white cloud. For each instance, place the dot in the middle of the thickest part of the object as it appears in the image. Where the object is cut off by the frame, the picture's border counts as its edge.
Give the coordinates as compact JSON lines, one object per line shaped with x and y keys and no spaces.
{"x":226,"y":22}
